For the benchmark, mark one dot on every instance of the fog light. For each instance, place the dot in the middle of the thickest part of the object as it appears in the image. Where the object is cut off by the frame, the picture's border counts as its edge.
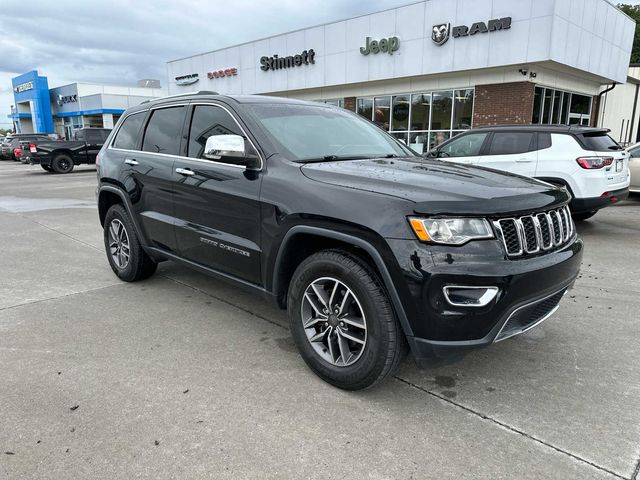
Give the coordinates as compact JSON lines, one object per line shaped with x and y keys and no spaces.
{"x":469,"y":296}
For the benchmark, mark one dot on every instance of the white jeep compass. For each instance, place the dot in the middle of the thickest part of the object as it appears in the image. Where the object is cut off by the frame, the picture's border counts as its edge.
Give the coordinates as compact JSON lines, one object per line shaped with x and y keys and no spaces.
{"x":587,"y":161}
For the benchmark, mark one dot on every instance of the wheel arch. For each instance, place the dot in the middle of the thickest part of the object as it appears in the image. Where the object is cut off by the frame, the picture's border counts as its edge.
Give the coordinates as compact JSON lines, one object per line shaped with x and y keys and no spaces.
{"x":109,"y":195}
{"x":301,"y":241}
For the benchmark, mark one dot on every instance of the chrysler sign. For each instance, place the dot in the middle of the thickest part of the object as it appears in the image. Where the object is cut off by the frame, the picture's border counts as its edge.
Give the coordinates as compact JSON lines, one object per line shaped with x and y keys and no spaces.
{"x":440,"y":33}
{"x":187,"y":79}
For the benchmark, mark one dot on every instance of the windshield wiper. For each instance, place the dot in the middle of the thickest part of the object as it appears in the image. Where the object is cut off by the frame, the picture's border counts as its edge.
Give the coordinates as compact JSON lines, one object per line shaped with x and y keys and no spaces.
{"x":615,"y":147}
{"x":335,"y":158}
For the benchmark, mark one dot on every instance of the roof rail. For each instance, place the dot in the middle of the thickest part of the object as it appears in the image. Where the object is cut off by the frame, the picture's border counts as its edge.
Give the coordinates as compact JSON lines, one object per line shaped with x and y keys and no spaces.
{"x":200,"y":92}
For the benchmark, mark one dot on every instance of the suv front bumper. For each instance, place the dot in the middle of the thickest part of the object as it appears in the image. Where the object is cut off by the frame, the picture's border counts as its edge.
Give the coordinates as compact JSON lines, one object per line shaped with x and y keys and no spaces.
{"x":530,"y":290}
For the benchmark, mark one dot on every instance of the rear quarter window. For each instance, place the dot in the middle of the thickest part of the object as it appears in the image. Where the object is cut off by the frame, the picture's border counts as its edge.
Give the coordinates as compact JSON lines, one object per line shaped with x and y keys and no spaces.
{"x":127,"y":136}
{"x":598,"y":142}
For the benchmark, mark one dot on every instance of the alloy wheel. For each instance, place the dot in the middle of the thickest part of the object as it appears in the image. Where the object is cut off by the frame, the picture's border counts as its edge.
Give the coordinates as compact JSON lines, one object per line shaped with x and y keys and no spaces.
{"x":119,"y":246}
{"x":334,"y":321}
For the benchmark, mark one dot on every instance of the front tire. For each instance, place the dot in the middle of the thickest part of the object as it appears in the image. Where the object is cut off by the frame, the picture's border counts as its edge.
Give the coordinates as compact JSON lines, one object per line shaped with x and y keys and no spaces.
{"x":126,"y":256}
{"x":342,"y":321}
{"x":62,"y":164}
{"x":579,"y":217}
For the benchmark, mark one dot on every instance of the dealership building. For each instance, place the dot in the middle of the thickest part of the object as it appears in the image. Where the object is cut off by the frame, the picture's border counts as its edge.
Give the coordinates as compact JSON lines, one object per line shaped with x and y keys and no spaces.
{"x":430,"y":69}
{"x":61,"y":110}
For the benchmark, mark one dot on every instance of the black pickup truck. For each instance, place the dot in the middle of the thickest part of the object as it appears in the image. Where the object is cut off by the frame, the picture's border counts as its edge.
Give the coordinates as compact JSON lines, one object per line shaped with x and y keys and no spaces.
{"x":62,"y":156}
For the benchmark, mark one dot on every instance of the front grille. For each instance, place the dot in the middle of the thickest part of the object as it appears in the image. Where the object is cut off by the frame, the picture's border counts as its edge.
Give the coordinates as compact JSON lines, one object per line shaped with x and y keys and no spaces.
{"x":527,"y":317}
{"x":532,"y":233}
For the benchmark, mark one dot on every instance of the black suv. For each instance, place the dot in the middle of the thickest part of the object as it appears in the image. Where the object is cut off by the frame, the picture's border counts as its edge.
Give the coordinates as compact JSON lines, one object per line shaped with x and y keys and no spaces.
{"x":369,"y":247}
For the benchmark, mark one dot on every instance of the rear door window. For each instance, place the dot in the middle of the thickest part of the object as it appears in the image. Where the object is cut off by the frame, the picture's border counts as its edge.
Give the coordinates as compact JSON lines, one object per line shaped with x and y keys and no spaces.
{"x":510,"y":143}
{"x":127,"y":136}
{"x":164,"y":131}
{"x":599,"y":142}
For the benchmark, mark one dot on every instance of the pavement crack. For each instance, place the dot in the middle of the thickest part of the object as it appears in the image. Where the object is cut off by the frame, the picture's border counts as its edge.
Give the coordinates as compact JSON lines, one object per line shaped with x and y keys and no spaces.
{"x":60,"y":233}
{"x":517,"y":431}
{"x":32,"y":302}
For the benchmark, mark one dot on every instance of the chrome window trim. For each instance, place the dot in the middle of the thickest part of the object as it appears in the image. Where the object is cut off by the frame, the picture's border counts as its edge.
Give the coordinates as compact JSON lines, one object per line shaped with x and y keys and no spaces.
{"x":181,"y":157}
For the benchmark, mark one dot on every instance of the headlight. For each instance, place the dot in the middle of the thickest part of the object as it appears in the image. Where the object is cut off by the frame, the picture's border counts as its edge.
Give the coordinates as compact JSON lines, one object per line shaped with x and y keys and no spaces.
{"x":450,"y":231}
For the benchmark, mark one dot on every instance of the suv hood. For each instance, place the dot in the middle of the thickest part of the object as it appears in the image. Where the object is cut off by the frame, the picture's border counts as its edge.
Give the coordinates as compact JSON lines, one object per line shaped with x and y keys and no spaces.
{"x":438,"y":187}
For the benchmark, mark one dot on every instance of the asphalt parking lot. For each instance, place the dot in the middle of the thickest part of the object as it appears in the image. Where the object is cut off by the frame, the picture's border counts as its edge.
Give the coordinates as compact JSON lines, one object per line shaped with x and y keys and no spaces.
{"x":181,"y":376}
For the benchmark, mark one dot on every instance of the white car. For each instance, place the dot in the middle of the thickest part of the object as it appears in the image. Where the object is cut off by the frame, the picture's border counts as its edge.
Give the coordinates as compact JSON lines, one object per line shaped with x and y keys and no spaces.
{"x":634,"y":167}
{"x":587,"y":161}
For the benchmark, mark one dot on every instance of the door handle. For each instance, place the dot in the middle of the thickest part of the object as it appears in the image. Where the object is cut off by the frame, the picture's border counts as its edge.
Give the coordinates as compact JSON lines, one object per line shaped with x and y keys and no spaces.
{"x":131,"y":161}
{"x":524,"y":160}
{"x":185,"y":171}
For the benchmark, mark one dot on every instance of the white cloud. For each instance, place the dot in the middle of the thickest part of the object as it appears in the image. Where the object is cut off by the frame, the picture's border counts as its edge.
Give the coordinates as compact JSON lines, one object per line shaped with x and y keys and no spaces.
{"x":119,"y":42}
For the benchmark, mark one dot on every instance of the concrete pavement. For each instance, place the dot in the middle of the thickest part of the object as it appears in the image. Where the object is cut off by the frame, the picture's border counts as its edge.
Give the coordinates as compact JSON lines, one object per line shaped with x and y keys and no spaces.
{"x":182,"y":376}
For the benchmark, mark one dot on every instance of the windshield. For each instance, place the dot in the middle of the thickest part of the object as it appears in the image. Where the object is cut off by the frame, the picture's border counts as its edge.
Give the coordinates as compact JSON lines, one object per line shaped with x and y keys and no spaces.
{"x":309,"y":132}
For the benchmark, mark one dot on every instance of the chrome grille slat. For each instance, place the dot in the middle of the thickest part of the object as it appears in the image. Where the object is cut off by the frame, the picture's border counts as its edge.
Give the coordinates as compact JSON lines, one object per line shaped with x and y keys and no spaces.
{"x":531,"y":234}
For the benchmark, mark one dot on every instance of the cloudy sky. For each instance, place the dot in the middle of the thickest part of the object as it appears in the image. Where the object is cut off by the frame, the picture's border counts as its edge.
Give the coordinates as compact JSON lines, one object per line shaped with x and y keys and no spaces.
{"x":119,"y":42}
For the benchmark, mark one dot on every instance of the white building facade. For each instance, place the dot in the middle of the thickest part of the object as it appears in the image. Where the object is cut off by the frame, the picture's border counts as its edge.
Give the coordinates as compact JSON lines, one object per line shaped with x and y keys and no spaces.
{"x":433,"y":68}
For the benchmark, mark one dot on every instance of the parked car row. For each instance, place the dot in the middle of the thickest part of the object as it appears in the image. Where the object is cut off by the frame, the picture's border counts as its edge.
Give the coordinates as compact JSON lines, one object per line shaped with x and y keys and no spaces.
{"x":11,"y":149}
{"x":57,"y":156}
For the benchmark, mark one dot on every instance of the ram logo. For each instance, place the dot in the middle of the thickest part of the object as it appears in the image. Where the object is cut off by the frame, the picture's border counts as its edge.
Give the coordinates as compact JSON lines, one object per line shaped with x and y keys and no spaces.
{"x":440,"y":33}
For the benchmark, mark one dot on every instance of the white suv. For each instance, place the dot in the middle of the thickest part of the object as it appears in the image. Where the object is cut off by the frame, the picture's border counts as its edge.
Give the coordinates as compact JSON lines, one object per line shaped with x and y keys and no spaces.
{"x":593,"y":167}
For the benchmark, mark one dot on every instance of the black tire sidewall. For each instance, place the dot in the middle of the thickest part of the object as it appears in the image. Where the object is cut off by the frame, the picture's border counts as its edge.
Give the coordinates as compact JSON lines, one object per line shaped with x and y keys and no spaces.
{"x":58,"y":158}
{"x":129,"y":272}
{"x":369,"y":366}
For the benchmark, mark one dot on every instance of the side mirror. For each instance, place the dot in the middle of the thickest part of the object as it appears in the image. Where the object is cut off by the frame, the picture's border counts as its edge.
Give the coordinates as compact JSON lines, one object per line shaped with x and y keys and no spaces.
{"x":230,"y":149}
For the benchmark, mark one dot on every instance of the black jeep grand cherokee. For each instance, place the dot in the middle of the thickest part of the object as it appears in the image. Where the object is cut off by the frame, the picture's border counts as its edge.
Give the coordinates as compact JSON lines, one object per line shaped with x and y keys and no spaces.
{"x":370,"y":248}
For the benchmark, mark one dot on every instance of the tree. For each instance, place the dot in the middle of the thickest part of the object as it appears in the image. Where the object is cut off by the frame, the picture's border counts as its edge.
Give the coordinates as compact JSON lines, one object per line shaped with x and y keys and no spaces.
{"x":634,"y":12}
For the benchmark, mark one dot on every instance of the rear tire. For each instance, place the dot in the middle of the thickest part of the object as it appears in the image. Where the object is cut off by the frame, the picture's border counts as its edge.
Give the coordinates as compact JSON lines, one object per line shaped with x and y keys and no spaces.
{"x":126,"y":256}
{"x":62,"y":164}
{"x":357,"y":347}
{"x":579,"y":217}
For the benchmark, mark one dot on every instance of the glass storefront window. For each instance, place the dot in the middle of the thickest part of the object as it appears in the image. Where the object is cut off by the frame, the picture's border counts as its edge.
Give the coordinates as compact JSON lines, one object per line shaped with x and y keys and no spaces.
{"x":402,"y":136}
{"x":462,"y":108}
{"x":546,"y":108}
{"x":557,"y":100}
{"x":537,"y":105}
{"x":565,"y":107}
{"x":557,"y":106}
{"x":580,"y":104}
{"x":400,"y":113}
{"x":420,"y":109}
{"x":441,"y":110}
{"x":382,"y":112}
{"x":421,"y":120}
{"x":436,"y":138}
{"x":364,"y":107}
